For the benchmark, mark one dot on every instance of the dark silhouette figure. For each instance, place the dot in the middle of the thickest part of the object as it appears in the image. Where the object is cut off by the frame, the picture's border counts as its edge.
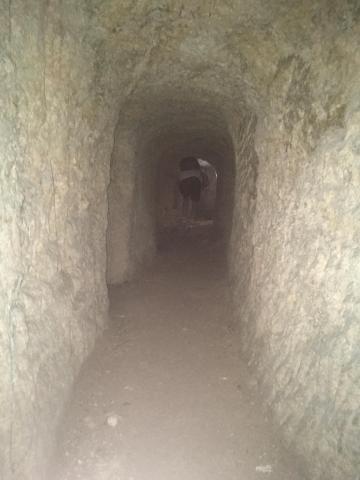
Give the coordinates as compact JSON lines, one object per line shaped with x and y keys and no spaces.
{"x":190,"y":184}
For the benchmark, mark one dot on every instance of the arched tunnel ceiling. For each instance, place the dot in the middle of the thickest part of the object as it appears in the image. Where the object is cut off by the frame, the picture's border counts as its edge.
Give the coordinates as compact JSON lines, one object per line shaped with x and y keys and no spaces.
{"x":177,"y":124}
{"x":232,"y":50}
{"x":214,"y":47}
{"x":163,"y":62}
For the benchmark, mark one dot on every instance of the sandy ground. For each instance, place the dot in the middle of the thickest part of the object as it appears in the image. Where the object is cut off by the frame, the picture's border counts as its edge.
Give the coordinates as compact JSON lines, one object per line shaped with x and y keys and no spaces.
{"x":165,"y":395}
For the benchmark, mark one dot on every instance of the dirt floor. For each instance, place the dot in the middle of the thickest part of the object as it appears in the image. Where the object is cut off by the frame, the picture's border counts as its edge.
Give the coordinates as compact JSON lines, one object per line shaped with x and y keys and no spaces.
{"x":165,"y":395}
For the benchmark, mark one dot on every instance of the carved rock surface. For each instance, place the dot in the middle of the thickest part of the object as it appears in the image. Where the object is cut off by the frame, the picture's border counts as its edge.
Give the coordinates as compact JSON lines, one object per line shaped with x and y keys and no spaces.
{"x":95,"y":95}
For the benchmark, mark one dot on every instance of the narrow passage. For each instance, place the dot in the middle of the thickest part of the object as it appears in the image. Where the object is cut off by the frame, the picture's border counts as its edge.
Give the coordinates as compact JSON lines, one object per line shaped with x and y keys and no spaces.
{"x":165,"y":395}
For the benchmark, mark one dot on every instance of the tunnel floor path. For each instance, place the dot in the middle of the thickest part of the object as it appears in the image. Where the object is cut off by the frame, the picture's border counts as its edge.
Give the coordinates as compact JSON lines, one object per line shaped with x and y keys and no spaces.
{"x":165,"y":395}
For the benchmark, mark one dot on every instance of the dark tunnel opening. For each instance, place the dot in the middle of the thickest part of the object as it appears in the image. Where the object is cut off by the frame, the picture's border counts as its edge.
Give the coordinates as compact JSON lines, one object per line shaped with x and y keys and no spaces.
{"x":145,"y":199}
{"x":186,"y":196}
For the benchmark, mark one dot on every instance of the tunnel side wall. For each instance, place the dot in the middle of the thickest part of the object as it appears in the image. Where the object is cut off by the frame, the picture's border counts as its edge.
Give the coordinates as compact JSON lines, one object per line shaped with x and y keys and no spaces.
{"x":121,"y":198}
{"x":296,"y":284}
{"x":54,"y":175}
{"x":143,"y":217}
{"x":132,"y":198}
{"x":243,"y":203}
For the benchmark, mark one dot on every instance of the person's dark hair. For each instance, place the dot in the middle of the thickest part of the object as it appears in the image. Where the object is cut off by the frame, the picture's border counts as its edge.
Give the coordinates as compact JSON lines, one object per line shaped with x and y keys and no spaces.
{"x":189,"y":163}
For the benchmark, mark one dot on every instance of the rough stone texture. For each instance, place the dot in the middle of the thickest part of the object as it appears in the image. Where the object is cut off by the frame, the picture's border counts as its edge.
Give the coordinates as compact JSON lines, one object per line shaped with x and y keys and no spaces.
{"x":53,"y":178}
{"x":301,"y":314}
{"x":270,"y":95}
{"x":300,"y":310}
{"x":121,"y":198}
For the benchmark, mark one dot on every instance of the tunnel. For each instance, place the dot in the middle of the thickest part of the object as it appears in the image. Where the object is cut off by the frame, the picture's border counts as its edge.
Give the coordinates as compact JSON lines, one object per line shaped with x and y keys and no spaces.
{"x":144,"y":172}
{"x":100,"y":101}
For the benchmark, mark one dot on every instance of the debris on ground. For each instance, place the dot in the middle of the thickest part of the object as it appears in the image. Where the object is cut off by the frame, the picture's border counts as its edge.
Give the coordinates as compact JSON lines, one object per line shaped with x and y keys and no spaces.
{"x":264,"y":469}
{"x":112,"y":420}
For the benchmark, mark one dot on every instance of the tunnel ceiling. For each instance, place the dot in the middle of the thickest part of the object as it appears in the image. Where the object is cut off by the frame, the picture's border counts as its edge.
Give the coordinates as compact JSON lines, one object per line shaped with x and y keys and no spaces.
{"x":176,"y":71}
{"x":228,"y":51}
{"x":178,"y":124}
{"x":169,"y":43}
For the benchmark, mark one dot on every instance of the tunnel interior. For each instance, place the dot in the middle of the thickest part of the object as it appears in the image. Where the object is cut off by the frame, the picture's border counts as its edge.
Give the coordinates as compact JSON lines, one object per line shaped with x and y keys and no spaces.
{"x":101,"y":100}
{"x":149,"y":160}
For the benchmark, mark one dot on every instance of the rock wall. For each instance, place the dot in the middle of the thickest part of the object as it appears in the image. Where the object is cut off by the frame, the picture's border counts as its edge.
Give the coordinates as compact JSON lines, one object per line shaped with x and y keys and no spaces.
{"x":241,"y":246}
{"x":132,"y":198}
{"x":299,"y":302}
{"x":53,"y":179}
{"x":121,"y":198}
{"x":143,"y":218}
